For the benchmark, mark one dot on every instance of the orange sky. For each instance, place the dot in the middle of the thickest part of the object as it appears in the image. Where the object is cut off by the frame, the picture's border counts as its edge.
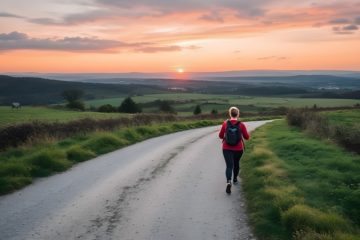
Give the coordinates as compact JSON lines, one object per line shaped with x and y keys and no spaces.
{"x":163,"y":35}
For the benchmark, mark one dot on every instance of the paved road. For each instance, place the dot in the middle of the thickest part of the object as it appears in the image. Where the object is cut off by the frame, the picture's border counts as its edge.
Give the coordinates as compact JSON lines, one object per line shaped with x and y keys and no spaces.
{"x":170,"y":187}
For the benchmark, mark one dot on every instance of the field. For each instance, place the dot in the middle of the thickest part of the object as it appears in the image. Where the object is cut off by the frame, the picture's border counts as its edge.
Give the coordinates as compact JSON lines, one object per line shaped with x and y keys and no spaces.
{"x":186,"y":102}
{"x":344,"y":117}
{"x":299,"y":187}
{"x":26,"y":114}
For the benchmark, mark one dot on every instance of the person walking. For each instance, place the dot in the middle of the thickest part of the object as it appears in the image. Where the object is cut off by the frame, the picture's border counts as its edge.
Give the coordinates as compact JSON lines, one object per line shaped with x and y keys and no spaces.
{"x":233,"y":132}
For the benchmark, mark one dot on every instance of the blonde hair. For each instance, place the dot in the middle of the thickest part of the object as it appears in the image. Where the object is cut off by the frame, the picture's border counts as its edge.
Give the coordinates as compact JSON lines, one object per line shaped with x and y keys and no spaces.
{"x":234,"y":112}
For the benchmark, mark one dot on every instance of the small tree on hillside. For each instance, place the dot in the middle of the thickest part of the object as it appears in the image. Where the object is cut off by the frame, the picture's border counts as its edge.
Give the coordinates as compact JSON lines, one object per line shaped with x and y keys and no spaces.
{"x":129,"y":106}
{"x":165,"y":106}
{"x":73,"y":97}
{"x":107,"y":108}
{"x":214,"y":112}
{"x":197,"y":110}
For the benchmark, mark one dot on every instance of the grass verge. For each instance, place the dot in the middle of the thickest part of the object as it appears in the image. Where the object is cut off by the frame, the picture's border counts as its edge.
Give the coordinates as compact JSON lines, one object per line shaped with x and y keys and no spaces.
{"x":19,"y":166}
{"x":298,"y":187}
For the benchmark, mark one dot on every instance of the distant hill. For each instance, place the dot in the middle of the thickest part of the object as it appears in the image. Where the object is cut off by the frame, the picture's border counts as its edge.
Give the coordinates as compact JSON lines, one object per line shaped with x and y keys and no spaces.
{"x":41,"y":91}
{"x":30,"y":90}
{"x":190,"y":75}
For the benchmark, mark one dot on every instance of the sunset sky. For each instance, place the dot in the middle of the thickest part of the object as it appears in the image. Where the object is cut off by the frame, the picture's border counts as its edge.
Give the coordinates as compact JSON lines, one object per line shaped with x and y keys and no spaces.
{"x":168,"y":35}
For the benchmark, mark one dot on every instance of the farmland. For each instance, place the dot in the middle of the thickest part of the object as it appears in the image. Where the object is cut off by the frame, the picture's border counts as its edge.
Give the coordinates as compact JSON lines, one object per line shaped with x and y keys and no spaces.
{"x":28,"y":114}
{"x":185,"y":103}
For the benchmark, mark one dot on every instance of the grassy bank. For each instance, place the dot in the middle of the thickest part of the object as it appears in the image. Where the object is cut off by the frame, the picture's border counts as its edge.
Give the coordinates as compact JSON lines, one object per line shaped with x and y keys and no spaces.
{"x":344,"y":117}
{"x":19,"y":166}
{"x":298,"y":187}
{"x":28,"y":114}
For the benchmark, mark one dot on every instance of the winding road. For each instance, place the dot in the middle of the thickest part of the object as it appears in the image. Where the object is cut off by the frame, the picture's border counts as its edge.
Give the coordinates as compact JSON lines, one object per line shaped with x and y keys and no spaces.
{"x":169,"y":187}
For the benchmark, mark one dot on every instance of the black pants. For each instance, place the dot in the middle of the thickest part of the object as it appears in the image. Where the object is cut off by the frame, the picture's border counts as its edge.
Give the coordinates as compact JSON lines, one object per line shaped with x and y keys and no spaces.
{"x":232,"y":160}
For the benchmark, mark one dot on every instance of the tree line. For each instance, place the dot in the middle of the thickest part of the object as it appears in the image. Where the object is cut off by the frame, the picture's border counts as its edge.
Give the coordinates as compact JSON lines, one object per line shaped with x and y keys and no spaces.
{"x":74,"y":101}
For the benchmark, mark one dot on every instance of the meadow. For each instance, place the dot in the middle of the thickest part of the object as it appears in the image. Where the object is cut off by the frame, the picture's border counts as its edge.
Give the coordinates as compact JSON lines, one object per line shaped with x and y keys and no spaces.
{"x":45,"y":114}
{"x":344,"y":117}
{"x":184,"y":103}
{"x":300,"y":187}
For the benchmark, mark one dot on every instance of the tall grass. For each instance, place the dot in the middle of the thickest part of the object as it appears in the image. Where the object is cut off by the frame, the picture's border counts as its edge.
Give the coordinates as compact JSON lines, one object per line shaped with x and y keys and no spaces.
{"x":299,"y":187}
{"x":318,"y":125}
{"x":19,"y":166}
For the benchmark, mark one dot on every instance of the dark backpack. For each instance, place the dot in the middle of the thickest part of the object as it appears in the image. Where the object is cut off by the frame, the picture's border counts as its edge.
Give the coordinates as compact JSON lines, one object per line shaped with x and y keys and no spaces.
{"x":233,"y":133}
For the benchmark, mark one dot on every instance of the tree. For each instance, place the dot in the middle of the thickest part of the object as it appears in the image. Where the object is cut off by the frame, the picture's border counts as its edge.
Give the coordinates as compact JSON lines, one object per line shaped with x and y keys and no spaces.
{"x":129,"y":106}
{"x":166,"y":107}
{"x":197,"y":110}
{"x":214,"y":112}
{"x":73,"y":97}
{"x":107,"y":108}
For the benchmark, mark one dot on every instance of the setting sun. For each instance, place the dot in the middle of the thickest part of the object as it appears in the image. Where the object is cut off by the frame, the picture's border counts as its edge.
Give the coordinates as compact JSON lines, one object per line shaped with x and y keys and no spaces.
{"x":180,"y":70}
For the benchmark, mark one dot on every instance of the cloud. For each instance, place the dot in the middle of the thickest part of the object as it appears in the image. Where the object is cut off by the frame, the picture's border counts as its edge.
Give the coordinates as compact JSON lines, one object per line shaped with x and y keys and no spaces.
{"x":155,"y":49}
{"x":244,"y":7}
{"x":171,"y":48}
{"x":339,"y":21}
{"x":9,"y":15}
{"x":44,"y":21}
{"x":73,"y":19}
{"x":350,"y":27}
{"x":357,"y":20}
{"x":279,"y":58}
{"x":13,"y":36}
{"x":18,"y":41}
{"x":212,"y":17}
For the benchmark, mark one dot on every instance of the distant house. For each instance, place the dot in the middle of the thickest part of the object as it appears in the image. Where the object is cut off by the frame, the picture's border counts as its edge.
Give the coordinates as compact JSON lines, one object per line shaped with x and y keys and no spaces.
{"x":16,"y":105}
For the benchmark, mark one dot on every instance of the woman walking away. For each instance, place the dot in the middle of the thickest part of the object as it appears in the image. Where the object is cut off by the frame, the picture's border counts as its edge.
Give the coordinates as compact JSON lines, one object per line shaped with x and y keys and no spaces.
{"x":233,"y":132}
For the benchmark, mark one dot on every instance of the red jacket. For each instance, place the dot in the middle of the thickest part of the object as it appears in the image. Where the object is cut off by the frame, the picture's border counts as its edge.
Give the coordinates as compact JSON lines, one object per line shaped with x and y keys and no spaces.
{"x":240,"y":145}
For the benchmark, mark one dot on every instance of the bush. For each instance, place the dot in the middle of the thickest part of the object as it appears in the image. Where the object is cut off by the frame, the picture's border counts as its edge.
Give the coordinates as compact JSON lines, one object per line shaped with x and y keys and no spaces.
{"x":79,"y":154}
{"x":48,"y":161}
{"x":14,"y":169}
{"x":14,"y":136}
{"x":129,"y":106}
{"x":146,"y":131}
{"x":107,"y":108}
{"x":9,"y":184}
{"x":318,"y":126}
{"x":104,"y":143}
{"x":197,"y":110}
{"x":79,"y":105}
{"x":166,"y":107}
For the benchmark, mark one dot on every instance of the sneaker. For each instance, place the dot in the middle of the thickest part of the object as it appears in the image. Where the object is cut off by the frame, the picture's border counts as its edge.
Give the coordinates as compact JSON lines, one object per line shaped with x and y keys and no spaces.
{"x":235,"y":181}
{"x":228,"y":188}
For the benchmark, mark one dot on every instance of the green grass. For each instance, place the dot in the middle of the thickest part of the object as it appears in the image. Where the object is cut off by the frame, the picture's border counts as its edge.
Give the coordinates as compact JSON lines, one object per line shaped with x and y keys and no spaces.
{"x":344,"y":117}
{"x":187,"y":101}
{"x":19,"y":166}
{"x":298,"y":187}
{"x":25,"y":114}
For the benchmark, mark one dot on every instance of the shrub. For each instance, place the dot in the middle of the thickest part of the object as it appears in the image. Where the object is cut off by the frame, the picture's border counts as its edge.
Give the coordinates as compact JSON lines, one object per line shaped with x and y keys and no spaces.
{"x":104,"y":143}
{"x":214,"y":112}
{"x":14,"y":168}
{"x":9,"y":184}
{"x":166,"y":107}
{"x":48,"y":161}
{"x":146,"y":131}
{"x":79,"y":154}
{"x":318,"y":126}
{"x":107,"y":108}
{"x":197,"y":110}
{"x":76,"y":105}
{"x":129,"y":106}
